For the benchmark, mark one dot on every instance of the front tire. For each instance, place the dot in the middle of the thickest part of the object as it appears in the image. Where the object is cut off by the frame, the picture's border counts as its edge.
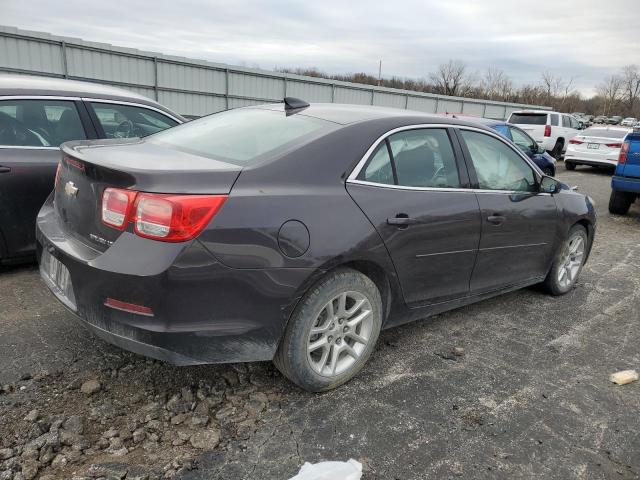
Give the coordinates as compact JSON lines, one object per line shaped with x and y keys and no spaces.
{"x":620,"y":202}
{"x":332,"y":332}
{"x":568,"y":262}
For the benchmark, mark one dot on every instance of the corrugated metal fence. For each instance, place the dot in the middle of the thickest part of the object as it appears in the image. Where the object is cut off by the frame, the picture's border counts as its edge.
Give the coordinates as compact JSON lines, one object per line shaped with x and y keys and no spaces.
{"x":197,"y":87}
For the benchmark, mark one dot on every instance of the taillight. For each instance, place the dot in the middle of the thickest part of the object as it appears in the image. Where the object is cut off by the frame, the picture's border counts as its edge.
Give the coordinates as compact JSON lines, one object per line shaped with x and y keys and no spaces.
{"x":614,"y":145}
{"x":547,"y":130}
{"x":576,"y":141}
{"x":116,"y":207}
{"x":174,"y":218}
{"x":622,"y":158}
{"x":128,"y":307}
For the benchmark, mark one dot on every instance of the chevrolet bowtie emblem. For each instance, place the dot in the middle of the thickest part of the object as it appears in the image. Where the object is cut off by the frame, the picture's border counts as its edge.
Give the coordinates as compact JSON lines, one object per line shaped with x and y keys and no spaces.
{"x":70,"y":189}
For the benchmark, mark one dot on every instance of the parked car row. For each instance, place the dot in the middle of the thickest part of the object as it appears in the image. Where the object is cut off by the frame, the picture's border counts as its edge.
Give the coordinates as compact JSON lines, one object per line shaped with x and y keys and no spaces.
{"x":36,"y":116}
{"x":617,"y":120}
{"x":286,"y":232}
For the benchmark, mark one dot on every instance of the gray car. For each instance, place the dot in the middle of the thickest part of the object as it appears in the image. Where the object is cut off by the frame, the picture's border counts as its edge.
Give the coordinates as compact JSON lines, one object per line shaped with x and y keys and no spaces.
{"x":37,"y":114}
{"x":294,"y":233}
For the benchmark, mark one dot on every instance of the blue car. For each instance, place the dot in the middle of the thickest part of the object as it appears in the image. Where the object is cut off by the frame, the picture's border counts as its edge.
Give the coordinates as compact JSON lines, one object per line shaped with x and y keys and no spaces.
{"x":521,"y":139}
{"x":625,"y":184}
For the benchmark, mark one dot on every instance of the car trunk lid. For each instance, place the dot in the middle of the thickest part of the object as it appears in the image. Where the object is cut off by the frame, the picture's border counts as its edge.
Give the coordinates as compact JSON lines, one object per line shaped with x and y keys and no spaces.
{"x":88,"y":168}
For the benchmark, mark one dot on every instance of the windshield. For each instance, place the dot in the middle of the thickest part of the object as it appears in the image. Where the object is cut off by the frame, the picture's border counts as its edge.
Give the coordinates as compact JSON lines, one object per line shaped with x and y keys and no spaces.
{"x":528,"y":118}
{"x":604,"y":133}
{"x":243,"y":135}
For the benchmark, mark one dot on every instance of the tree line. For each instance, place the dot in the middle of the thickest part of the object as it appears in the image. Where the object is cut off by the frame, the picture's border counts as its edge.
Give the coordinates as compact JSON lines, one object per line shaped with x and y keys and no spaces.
{"x":617,"y":94}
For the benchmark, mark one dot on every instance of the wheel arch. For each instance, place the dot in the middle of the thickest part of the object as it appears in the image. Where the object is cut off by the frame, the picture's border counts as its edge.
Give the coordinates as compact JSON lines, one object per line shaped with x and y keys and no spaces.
{"x":590,"y":228}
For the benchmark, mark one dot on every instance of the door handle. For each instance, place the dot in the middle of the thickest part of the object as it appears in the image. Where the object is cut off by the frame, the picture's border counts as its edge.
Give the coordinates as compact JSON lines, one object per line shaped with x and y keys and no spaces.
{"x":401,"y":220}
{"x":496,"y":219}
{"x":4,"y":169}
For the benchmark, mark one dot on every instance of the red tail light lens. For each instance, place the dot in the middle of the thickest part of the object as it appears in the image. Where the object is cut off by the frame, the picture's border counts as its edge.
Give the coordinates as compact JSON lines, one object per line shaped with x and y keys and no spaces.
{"x":547,"y":130}
{"x":576,"y":141}
{"x":174,"y":218}
{"x":116,"y":207}
{"x":614,"y":145}
{"x":622,"y":158}
{"x":128,"y":307}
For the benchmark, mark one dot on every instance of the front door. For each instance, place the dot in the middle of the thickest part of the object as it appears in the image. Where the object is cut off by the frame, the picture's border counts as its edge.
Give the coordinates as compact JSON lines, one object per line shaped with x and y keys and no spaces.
{"x":411,"y":191}
{"x":518,"y":222}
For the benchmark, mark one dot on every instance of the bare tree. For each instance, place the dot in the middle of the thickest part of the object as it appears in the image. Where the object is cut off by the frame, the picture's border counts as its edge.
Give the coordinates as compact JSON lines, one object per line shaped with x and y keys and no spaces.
{"x":630,"y":86}
{"x":553,"y":85}
{"x":451,"y":78}
{"x":610,"y":90}
{"x":495,"y":84}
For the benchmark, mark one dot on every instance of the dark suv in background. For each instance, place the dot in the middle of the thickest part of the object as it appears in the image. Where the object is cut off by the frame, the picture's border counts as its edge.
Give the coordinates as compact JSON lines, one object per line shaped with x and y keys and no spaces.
{"x":37,"y":115}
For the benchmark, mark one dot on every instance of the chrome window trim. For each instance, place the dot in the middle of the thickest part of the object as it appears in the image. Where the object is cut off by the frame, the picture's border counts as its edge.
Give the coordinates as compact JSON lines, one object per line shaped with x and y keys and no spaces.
{"x":26,"y":147}
{"x":39,"y":97}
{"x":353,"y":177}
{"x":132,"y":104}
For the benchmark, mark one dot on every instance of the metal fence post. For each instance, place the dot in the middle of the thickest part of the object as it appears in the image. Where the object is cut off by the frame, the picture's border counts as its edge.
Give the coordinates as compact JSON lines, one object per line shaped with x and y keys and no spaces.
{"x":333,"y":93}
{"x":406,"y":102}
{"x":484,"y":110}
{"x":155,"y":77}
{"x":437,"y":102}
{"x":284,"y":75}
{"x":65,"y":68}
{"x":226,"y":89}
{"x":373,"y":92}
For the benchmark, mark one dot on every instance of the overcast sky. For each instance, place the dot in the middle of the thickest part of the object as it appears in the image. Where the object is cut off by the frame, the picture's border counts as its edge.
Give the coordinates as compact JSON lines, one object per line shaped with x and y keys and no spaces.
{"x":573,"y":38}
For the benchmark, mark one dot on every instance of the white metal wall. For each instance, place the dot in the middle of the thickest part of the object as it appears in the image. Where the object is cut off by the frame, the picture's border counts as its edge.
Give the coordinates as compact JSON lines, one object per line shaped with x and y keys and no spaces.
{"x":196,"y":87}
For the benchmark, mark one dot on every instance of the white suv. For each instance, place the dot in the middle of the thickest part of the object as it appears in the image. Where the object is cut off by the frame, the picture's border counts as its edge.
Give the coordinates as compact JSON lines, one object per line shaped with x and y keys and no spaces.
{"x":552,"y":130}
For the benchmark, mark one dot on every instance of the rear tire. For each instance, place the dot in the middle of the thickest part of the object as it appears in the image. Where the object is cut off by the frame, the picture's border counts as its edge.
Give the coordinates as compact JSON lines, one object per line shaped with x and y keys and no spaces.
{"x":557,"y":150}
{"x":569,"y":165}
{"x":549,"y":171}
{"x":620,"y":202}
{"x":568,"y":262}
{"x":344,"y":309}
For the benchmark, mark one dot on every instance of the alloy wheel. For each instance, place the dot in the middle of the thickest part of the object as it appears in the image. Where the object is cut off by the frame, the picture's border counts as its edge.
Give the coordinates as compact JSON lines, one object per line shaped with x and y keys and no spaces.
{"x":572,"y":261}
{"x":340,"y":333}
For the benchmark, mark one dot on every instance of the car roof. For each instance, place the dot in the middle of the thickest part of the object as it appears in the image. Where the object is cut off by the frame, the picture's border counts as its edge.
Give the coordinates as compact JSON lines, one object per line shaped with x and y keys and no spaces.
{"x":11,"y":84}
{"x":345,"y":114}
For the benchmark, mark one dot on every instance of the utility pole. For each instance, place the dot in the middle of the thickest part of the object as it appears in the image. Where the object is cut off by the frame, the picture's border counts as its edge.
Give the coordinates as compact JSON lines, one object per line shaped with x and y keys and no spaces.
{"x":380,"y":73}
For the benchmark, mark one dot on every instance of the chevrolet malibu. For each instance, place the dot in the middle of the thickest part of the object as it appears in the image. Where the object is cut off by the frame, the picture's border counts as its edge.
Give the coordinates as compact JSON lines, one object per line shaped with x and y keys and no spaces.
{"x":295,"y":233}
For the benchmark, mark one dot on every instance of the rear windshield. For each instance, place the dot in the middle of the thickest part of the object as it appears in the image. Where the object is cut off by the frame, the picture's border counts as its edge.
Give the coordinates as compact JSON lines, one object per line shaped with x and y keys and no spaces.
{"x":604,"y":133}
{"x":244,"y":135}
{"x":529,"y":118}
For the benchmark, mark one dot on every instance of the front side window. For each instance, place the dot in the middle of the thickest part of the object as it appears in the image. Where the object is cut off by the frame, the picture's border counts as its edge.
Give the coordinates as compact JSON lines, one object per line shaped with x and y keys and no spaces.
{"x":523,"y":141}
{"x":497,"y":166}
{"x":39,"y":123}
{"x":127,"y":121}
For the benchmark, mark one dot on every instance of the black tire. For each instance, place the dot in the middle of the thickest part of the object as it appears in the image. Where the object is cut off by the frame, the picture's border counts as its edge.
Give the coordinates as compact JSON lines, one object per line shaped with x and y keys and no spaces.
{"x":549,"y":171}
{"x":620,"y":202}
{"x":552,"y":283}
{"x":569,"y":165}
{"x":557,"y":150}
{"x":292,"y":357}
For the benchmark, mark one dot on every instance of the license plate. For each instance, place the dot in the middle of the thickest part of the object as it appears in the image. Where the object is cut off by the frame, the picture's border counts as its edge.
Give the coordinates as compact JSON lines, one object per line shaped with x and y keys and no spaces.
{"x":57,"y":277}
{"x":593,"y":146}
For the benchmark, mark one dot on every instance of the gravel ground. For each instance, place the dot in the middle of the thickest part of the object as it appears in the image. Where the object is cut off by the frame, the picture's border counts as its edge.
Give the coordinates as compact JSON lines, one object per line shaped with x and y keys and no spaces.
{"x":528,"y":397}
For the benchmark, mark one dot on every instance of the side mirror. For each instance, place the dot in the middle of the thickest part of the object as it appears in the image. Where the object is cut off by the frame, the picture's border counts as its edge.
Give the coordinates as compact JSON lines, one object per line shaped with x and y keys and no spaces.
{"x":549,"y":185}
{"x":541,"y":149}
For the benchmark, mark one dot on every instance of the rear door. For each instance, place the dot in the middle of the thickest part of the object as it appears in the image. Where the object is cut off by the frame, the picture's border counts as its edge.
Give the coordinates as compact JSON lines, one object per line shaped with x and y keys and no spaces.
{"x":413,"y":190}
{"x":518,"y":223}
{"x":31,"y":130}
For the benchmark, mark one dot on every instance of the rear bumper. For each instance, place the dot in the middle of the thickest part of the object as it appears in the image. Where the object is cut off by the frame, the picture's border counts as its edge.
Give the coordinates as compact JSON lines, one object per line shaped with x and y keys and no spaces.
{"x":203,"y":311}
{"x":593,"y":159}
{"x":625,"y":184}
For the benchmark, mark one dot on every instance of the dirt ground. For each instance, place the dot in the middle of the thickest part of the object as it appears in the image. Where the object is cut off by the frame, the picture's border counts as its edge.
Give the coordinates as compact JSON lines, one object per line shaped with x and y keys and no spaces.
{"x":529,"y":398}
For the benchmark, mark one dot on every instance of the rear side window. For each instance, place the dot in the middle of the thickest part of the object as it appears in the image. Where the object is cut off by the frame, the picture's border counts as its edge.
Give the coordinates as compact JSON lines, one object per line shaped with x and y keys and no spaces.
{"x":528,"y":118}
{"x":126,"y":121}
{"x":555,"y":120}
{"x":39,"y":123}
{"x":419,"y":158}
{"x":566,"y":122}
{"x":243,"y":136}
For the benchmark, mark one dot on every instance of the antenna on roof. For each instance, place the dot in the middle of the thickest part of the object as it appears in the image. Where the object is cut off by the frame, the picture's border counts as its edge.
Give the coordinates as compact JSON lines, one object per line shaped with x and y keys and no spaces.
{"x":292,"y":103}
